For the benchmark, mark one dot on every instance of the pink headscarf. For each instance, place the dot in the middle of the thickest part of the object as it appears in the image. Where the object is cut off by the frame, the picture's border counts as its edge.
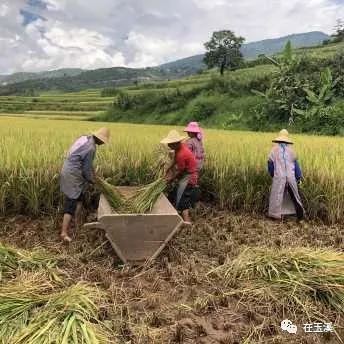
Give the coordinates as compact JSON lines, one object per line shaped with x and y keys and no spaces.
{"x":193,"y":127}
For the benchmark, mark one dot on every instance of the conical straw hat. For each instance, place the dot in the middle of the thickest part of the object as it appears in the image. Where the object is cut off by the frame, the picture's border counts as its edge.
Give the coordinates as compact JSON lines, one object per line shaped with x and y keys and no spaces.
{"x":103,"y":134}
{"x":283,"y":136}
{"x":193,"y":127}
{"x":173,"y":137}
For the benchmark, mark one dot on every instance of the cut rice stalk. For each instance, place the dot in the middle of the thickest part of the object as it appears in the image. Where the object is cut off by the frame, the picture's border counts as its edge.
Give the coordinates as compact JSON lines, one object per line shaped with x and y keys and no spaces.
{"x":13,"y":259}
{"x":69,"y":317}
{"x":112,"y":195}
{"x":299,"y":274}
{"x":145,"y":198}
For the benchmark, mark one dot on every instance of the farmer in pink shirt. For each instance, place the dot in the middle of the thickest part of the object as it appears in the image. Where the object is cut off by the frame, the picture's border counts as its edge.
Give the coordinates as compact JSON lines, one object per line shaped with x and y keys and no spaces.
{"x":195,"y":143}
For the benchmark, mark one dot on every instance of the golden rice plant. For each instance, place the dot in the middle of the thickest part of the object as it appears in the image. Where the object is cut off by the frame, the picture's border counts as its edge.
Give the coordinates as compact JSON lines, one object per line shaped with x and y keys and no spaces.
{"x":18,"y":299}
{"x":234,"y":173}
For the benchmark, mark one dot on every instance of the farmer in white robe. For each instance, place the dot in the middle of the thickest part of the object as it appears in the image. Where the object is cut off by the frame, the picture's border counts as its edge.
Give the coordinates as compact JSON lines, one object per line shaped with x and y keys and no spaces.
{"x":286,"y":173}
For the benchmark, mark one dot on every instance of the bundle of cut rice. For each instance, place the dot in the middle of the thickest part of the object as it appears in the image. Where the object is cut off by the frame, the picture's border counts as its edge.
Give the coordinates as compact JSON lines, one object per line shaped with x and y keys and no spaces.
{"x":145,"y":198}
{"x":110,"y":192}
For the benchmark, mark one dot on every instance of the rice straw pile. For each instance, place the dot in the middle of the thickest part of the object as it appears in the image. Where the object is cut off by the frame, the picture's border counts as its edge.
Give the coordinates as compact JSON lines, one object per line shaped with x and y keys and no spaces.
{"x":32,"y":311}
{"x":299,"y":275}
{"x":13,"y":259}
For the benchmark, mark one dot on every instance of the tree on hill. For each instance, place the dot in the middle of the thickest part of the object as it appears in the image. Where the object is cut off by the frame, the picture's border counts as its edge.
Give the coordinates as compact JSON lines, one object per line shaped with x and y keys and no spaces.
{"x":223,"y":51}
{"x":338,"y":36}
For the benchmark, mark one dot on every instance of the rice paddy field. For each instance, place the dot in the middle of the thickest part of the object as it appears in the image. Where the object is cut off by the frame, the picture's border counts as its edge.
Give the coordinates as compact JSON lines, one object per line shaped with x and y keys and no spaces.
{"x":230,"y":278}
{"x":235,"y":177}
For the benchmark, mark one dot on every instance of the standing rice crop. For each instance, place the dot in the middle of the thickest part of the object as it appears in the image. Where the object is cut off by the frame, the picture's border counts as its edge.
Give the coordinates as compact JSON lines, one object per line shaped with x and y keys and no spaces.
{"x":234,"y":172}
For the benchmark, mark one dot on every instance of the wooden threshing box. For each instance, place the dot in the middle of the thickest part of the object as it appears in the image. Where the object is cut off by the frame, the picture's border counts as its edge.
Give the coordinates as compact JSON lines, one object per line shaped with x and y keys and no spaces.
{"x":138,"y":238}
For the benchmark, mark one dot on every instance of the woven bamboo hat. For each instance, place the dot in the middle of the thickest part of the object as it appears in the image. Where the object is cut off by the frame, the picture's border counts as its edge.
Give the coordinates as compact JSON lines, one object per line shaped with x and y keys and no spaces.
{"x":283,"y":136}
{"x":103,"y":134}
{"x":173,"y":137}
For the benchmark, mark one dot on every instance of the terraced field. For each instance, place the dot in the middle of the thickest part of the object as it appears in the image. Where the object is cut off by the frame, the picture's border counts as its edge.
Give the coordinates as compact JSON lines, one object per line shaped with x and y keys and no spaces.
{"x":81,"y":105}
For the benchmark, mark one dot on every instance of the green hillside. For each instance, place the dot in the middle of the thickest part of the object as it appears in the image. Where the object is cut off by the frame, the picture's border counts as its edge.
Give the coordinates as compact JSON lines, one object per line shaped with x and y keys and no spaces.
{"x":87,"y":79}
{"x":252,"y":50}
{"x":261,"y":97}
{"x":21,"y":77}
{"x":303,"y":88}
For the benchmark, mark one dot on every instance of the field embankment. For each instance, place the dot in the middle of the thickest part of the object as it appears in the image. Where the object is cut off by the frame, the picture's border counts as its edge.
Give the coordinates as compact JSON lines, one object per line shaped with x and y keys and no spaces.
{"x":81,"y":105}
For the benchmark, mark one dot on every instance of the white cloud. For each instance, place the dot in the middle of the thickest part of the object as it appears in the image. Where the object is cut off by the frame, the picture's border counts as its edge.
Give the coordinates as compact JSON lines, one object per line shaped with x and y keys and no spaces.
{"x":56,"y":5}
{"x":138,"y":33}
{"x":4,"y":9}
{"x":70,"y":47}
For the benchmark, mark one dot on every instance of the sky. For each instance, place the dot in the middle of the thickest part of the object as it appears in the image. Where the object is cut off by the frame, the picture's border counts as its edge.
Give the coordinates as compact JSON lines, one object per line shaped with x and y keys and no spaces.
{"x":38,"y":35}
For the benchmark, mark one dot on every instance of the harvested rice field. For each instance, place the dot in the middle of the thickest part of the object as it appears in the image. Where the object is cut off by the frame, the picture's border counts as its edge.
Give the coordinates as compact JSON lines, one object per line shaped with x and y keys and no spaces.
{"x":182,"y":297}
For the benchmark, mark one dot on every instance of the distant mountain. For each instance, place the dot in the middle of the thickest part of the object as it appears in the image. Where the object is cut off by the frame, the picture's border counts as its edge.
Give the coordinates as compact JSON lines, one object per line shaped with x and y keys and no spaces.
{"x":273,"y":46}
{"x":98,"y":78}
{"x":187,"y":66}
{"x":77,"y":79}
{"x":23,"y":76}
{"x":191,"y":65}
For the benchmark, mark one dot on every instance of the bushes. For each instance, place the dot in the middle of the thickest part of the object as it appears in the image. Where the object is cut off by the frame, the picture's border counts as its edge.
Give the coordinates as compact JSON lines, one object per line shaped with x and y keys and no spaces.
{"x":328,"y":121}
{"x":302,"y":91}
{"x":201,"y":109}
{"x":238,"y":84}
{"x":149,"y":102}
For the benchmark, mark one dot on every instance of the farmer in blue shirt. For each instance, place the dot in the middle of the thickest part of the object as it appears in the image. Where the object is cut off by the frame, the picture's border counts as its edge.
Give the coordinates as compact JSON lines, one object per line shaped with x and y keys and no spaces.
{"x":76,"y":173}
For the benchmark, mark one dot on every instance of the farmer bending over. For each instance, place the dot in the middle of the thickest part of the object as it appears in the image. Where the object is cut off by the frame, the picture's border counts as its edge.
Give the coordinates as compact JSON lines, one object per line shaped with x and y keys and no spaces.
{"x":183,"y":196}
{"x":76,"y":173}
{"x":286,"y":173}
